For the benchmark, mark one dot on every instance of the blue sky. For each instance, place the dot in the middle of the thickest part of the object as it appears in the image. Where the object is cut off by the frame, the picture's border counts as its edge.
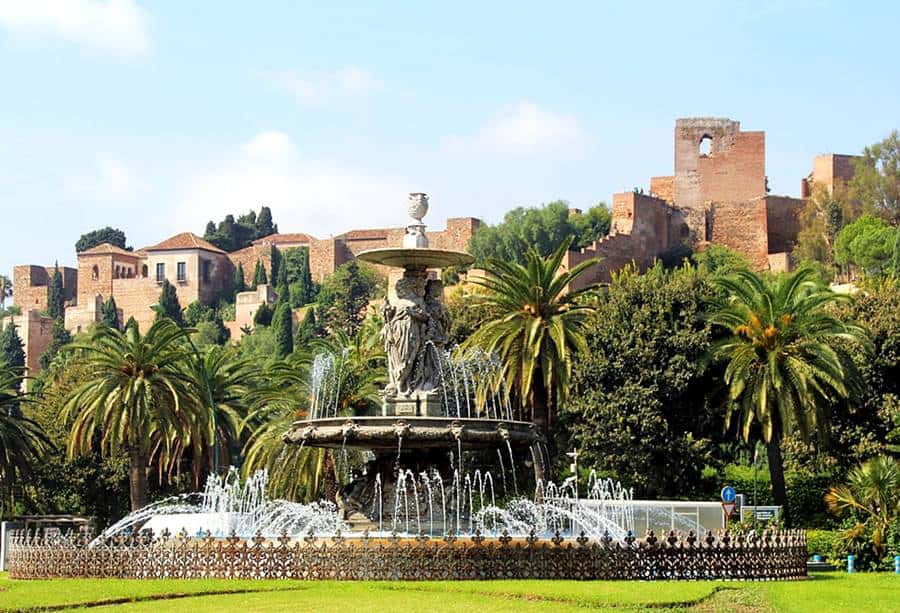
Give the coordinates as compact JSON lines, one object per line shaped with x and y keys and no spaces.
{"x":156,"y":117}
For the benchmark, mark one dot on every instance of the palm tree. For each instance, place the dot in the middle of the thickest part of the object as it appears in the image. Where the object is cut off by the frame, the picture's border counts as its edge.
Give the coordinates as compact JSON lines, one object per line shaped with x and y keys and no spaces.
{"x":222,"y":377}
{"x":22,"y":442}
{"x":872,"y":497}
{"x":296,"y":471}
{"x":537,"y":324}
{"x":138,"y":397}
{"x":786,"y":357}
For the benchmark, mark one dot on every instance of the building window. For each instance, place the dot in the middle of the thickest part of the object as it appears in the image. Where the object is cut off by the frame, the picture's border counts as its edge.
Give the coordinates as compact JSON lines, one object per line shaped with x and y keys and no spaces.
{"x":144,"y":272}
{"x":95,"y":273}
{"x":160,"y":272}
{"x":205,"y":266}
{"x":182,"y":272}
{"x":705,"y":145}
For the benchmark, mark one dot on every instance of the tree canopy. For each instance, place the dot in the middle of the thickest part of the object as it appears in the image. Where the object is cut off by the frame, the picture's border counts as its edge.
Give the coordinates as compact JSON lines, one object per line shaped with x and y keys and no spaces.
{"x":867,"y":243}
{"x":876,"y":179}
{"x":113,"y":236}
{"x":541,"y":228}
{"x":344,"y":296}
{"x":231,"y":234}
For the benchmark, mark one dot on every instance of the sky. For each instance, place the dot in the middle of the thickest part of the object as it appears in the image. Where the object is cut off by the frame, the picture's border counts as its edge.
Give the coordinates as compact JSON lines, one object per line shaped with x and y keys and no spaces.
{"x":155,"y":117}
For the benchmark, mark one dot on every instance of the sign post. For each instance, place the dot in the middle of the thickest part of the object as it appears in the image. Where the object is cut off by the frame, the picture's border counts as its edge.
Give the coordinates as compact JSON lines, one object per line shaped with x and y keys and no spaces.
{"x":728,"y":502}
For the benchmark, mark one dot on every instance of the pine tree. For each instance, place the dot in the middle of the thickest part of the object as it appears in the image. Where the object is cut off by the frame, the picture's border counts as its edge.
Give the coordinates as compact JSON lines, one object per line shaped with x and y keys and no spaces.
{"x":12,"y":351}
{"x":169,"y":305}
{"x":284,"y":329}
{"x":109,"y":314}
{"x":239,"y":284}
{"x":259,"y":275}
{"x":60,"y":338}
{"x":55,"y":298}
{"x":263,"y":315}
{"x":210,"y":230}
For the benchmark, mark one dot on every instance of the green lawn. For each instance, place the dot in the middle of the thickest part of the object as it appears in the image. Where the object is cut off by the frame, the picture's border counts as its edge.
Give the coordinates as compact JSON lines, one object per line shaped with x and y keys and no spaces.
{"x":823,"y":592}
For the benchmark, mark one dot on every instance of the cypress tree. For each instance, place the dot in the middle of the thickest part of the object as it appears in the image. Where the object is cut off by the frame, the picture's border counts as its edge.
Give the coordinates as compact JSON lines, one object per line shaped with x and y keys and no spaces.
{"x":284,"y":329}
{"x":12,"y":351}
{"x":60,"y":338}
{"x":282,"y":288}
{"x":259,"y":275}
{"x":55,"y":300}
{"x":169,"y":305}
{"x":276,"y":263}
{"x":308,"y":328}
{"x":263,"y":315}
{"x":239,"y":284}
{"x":264,"y":224}
{"x":109,"y":313}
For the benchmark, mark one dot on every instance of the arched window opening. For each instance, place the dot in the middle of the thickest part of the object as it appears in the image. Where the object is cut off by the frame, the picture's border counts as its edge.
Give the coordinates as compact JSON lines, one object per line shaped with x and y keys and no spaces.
{"x":95,"y":273}
{"x":144,"y":271}
{"x":705,"y":145}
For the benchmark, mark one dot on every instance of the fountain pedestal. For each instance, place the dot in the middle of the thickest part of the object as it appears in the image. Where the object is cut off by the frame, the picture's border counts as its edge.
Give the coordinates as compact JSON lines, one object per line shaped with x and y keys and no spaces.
{"x":418,"y":404}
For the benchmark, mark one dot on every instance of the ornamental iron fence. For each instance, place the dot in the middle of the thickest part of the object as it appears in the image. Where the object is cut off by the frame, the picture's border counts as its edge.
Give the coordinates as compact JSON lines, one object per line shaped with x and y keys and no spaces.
{"x":767,"y":555}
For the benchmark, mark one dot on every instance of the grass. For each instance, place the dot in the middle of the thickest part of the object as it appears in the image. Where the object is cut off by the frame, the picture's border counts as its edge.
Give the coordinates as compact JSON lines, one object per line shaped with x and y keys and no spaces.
{"x":828,"y":591}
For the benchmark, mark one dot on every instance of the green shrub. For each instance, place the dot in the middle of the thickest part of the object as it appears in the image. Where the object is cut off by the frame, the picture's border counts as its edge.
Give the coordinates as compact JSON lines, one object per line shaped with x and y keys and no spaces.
{"x":828,"y":544}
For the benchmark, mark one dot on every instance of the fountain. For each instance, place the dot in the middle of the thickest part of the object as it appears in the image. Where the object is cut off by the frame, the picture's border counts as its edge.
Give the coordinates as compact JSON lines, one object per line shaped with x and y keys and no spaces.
{"x":437,"y":400}
{"x":424,"y":505}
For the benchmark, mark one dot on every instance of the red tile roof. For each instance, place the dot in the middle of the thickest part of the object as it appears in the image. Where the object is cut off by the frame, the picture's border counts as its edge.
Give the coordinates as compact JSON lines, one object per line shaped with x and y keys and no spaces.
{"x":108,"y":249}
{"x":185,"y":240}
{"x":296,"y":237}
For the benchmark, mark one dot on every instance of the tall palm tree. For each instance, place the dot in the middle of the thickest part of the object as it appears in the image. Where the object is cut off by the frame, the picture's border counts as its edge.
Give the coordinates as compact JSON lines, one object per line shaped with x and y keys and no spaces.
{"x":786,"y":356}
{"x":872,"y":496}
{"x":537,"y":324}
{"x":230,"y":380}
{"x":22,"y":442}
{"x":296,"y":471}
{"x":138,"y":398}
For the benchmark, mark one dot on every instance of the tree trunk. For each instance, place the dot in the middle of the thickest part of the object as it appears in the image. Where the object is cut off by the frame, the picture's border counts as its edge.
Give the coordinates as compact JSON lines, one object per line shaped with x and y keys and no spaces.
{"x":540,"y":415}
{"x":776,"y":472}
{"x":137,"y":478}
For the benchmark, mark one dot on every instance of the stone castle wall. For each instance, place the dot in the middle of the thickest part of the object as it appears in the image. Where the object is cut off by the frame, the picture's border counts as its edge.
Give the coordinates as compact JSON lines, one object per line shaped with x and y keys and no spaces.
{"x":733,"y":170}
{"x":30,"y":285}
{"x":36,"y":332}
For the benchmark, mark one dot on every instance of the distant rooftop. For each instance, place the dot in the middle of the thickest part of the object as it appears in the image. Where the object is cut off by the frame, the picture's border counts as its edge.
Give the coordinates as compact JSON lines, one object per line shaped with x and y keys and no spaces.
{"x":108,"y":249}
{"x":185,"y":240}
{"x":276,"y":239}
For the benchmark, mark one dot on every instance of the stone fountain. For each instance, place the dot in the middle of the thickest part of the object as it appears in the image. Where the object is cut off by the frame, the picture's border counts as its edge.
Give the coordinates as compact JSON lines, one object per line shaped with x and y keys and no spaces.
{"x":423,"y":425}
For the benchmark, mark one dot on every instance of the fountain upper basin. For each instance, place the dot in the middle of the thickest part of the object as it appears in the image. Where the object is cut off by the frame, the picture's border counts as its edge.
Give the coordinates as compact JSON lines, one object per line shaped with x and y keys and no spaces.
{"x":420,"y":257}
{"x":382,"y":433}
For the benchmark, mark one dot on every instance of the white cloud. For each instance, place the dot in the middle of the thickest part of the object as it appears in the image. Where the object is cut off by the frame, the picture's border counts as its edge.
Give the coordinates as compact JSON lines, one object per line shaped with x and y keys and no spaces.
{"x":347,"y":82}
{"x":319,"y":197}
{"x":521,"y":129}
{"x":119,"y":26}
{"x":269,"y":144}
{"x":109,"y":180}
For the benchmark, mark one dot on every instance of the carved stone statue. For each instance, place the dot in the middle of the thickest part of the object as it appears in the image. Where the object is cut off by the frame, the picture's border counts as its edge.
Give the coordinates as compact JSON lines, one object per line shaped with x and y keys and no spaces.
{"x":437,"y":334}
{"x":403,"y":334}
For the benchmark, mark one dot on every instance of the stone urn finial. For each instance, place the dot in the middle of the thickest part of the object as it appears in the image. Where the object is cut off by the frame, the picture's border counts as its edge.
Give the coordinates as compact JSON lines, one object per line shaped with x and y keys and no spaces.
{"x":417,"y":205}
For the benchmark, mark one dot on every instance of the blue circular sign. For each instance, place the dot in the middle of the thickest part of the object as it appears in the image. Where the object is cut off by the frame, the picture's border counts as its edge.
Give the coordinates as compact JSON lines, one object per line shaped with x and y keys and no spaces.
{"x":728,"y":494}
